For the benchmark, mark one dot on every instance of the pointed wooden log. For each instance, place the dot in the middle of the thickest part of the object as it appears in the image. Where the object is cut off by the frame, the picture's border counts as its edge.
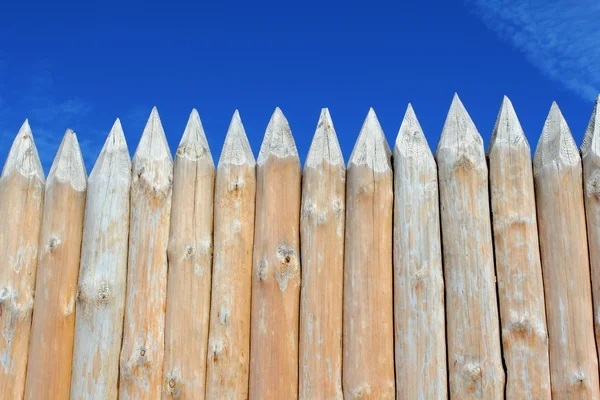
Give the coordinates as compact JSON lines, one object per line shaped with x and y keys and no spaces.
{"x":520,"y":284}
{"x":53,"y":325}
{"x":565,"y":264}
{"x":276,"y":266}
{"x":590,"y":157}
{"x":473,"y":335}
{"x":322,"y":241}
{"x":419,"y":315}
{"x":102,"y":276}
{"x":143,"y":333}
{"x":368,"y":334}
{"x":229,"y":335}
{"x":190,"y":262}
{"x":21,"y":204}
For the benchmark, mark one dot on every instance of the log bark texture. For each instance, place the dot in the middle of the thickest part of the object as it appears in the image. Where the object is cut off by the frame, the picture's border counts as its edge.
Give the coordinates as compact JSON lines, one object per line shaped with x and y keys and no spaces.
{"x":21,"y":204}
{"x":322,"y":242}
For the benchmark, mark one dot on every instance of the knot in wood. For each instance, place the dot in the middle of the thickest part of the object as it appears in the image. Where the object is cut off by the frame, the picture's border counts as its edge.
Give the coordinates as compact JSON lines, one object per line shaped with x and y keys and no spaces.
{"x":103,"y":294}
{"x":288,"y":267}
{"x":593,"y":186}
{"x":53,"y":244}
{"x":473,"y":371}
{"x":173,"y":383}
{"x":190,"y":252}
{"x":262,"y":269}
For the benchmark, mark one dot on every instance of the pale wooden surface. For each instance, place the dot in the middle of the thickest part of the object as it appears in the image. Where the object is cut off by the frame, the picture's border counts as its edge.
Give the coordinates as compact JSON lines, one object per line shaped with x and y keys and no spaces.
{"x":473,"y":335}
{"x":142,"y":352}
{"x":229,"y":335}
{"x":21,"y":204}
{"x":590,"y":158}
{"x":368,"y":333}
{"x":190,"y":265}
{"x":103,"y":272}
{"x":419,"y":314}
{"x":53,"y":325}
{"x":322,"y":242}
{"x":565,"y":263}
{"x":520,"y":284}
{"x":276,"y":267}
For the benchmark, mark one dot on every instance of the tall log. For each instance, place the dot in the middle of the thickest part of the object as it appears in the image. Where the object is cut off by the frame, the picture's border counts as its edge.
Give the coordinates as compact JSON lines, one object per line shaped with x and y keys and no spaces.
{"x":190,"y":262}
{"x":229,"y":336}
{"x":143,"y":333}
{"x":21,"y":203}
{"x":565,"y":263}
{"x":520,"y":284}
{"x":419,"y":315}
{"x":322,"y":242}
{"x":368,"y":335}
{"x":276,"y":266}
{"x":473,"y":334}
{"x":53,"y":325}
{"x":590,"y":158}
{"x":102,"y":276}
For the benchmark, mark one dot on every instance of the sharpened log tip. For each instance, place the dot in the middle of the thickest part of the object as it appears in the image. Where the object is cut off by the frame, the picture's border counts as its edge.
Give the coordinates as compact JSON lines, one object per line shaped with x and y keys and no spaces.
{"x":507,"y":130}
{"x":591,"y":142}
{"x":371,"y":147}
{"x":236,"y":148}
{"x":556,"y":145}
{"x":324,"y":146}
{"x":278,"y":141}
{"x":23,"y":155}
{"x":411,"y":142}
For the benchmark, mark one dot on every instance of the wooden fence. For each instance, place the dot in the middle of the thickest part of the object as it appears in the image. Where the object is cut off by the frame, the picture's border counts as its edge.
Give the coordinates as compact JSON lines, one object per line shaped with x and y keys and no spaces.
{"x":405,"y":275}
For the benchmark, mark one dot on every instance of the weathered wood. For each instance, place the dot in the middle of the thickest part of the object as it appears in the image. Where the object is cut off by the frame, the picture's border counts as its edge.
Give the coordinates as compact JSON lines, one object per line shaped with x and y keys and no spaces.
{"x":143,"y":333}
{"x":590,"y":158}
{"x":21,"y":204}
{"x":520,"y":284}
{"x":368,"y":333}
{"x":190,"y":262}
{"x":102,"y":277}
{"x":53,"y":325}
{"x":322,"y":242}
{"x":229,"y":335}
{"x":565,"y":264}
{"x":473,"y":334}
{"x":276,"y":266}
{"x":419,"y":315}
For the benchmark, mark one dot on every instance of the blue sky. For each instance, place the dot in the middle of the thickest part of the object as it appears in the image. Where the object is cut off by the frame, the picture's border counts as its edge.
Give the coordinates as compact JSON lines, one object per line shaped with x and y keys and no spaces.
{"x":80,"y":65}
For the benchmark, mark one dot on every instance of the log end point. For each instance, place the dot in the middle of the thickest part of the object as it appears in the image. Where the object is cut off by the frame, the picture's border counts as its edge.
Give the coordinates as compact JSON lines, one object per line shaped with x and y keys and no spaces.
{"x":278,"y":140}
{"x":591,"y":141}
{"x":68,"y":164}
{"x":371,"y":147}
{"x":194,"y":145}
{"x":411,"y":142}
{"x":153,"y":143}
{"x":114,"y":157}
{"x":23,"y":155}
{"x":507,"y":130}
{"x":236,"y":148}
{"x":556,"y":144}
{"x":325,"y":146}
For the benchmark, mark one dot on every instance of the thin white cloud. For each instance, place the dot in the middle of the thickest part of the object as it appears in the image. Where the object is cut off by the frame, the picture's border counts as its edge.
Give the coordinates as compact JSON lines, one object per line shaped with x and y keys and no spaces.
{"x":559,"y":37}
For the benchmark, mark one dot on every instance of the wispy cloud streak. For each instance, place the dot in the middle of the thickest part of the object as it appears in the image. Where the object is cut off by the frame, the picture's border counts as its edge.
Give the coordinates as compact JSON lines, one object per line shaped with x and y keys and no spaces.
{"x":560,"y":37}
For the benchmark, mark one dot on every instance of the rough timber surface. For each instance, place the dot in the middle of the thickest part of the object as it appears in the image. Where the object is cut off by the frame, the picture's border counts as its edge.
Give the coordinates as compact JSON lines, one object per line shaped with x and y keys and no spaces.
{"x":322,"y":242}
{"x":565,"y":263}
{"x":229,"y":335}
{"x":142,"y":352}
{"x":419,"y":315}
{"x":21,"y":203}
{"x":368,"y":333}
{"x":53,"y":325}
{"x":101,"y":294}
{"x":276,"y":267}
{"x":473,"y":334}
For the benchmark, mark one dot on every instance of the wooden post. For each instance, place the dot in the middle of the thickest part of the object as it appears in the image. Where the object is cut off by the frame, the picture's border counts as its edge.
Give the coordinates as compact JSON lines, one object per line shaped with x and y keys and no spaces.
{"x":53,"y":325}
{"x":229,"y":335}
{"x":21,"y":204}
{"x":102,"y":277}
{"x":190,"y":262}
{"x":565,"y":264}
{"x":143,"y":332}
{"x":419,"y":315}
{"x":474,"y":355}
{"x":520,"y":284}
{"x":368,"y":338}
{"x":590,"y":157}
{"x":322,"y":241}
{"x":276,"y":266}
